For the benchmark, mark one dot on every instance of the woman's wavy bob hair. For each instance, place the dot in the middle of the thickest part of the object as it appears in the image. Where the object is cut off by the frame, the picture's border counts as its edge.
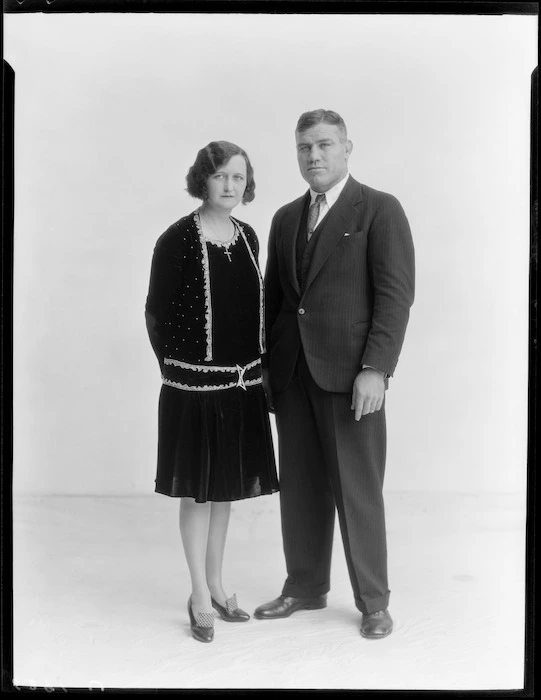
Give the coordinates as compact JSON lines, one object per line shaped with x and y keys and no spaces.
{"x":209,"y":160}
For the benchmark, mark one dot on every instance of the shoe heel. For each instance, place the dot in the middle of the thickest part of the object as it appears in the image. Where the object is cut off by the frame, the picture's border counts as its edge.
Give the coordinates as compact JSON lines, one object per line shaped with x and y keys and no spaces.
{"x":202,"y":634}
{"x":315,"y":606}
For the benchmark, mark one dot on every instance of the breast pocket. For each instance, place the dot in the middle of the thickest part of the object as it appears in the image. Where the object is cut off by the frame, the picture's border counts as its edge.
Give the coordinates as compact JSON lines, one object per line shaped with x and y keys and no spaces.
{"x":354,"y":235}
{"x":350,"y":253}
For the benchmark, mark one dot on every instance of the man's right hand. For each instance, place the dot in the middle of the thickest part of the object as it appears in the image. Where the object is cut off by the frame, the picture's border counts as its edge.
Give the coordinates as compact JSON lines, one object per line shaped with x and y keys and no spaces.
{"x":368,"y":392}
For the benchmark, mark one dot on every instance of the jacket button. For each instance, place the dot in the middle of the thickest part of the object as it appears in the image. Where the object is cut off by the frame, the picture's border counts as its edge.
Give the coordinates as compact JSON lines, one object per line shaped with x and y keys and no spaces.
{"x":301,"y":311}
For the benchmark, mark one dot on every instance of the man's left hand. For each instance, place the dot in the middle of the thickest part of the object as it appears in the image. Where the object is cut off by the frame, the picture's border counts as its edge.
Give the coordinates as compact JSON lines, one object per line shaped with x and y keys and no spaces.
{"x":368,"y":392}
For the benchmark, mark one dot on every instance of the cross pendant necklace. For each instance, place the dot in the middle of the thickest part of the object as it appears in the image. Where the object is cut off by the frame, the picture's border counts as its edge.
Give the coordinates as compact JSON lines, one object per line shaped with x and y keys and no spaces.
{"x":218,"y":241}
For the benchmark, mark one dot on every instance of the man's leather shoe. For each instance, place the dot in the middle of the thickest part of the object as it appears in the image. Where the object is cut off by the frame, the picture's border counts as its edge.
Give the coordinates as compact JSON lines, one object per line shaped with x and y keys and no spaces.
{"x":376,"y":625}
{"x":284,"y":606}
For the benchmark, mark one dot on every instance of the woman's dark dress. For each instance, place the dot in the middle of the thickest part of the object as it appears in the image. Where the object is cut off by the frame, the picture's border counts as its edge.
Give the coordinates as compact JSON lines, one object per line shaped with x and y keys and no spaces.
{"x":216,"y":445}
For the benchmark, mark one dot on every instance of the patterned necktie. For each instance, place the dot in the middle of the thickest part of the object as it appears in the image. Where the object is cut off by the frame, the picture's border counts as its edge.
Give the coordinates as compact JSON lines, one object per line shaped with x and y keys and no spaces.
{"x":313,"y":214}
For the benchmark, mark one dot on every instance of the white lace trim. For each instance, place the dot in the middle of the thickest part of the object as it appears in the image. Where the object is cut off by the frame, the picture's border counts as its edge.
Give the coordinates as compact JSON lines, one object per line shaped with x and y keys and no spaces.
{"x":209,"y":368}
{"x":224,"y":244}
{"x":261,"y":300}
{"x":217,"y":387}
{"x":216,"y":241}
{"x":206,"y":275}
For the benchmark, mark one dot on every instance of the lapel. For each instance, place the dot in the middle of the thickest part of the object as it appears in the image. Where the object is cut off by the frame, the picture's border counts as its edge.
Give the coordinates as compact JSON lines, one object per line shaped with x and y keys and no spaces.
{"x":337,"y":222}
{"x":290,"y":224}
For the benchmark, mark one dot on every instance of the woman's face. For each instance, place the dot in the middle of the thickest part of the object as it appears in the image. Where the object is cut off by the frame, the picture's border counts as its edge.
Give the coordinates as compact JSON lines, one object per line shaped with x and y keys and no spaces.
{"x":226,"y":186}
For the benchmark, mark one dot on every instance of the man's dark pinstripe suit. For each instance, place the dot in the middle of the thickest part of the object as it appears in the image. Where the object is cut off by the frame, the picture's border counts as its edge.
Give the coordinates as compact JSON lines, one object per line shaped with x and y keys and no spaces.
{"x":350,"y":309}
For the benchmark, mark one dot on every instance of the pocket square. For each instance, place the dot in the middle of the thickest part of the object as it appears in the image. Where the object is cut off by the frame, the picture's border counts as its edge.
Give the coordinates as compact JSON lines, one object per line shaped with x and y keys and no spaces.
{"x":346,"y":234}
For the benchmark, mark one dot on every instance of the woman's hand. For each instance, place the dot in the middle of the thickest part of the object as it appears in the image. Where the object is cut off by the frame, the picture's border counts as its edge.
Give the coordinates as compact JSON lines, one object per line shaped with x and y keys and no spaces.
{"x":267,"y":389}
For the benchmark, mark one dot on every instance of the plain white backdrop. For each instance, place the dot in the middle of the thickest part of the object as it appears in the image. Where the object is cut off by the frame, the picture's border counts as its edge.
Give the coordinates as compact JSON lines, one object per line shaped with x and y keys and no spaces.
{"x":110,"y":113}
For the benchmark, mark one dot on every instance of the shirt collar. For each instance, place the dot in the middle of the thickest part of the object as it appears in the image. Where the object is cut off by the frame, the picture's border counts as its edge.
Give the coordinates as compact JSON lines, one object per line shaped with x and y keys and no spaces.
{"x":331,"y":195}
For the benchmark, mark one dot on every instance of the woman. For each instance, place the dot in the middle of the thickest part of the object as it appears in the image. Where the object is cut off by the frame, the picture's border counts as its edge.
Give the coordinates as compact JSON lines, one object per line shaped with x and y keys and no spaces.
{"x":204,"y":316}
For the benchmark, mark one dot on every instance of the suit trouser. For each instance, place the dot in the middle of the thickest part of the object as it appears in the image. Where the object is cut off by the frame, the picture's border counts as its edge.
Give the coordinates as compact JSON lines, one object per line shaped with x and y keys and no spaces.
{"x":328,"y":460}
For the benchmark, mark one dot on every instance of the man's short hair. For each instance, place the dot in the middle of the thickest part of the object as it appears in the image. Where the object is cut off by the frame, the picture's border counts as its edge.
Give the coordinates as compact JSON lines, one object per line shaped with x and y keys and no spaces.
{"x":209,"y":160}
{"x":325,"y":116}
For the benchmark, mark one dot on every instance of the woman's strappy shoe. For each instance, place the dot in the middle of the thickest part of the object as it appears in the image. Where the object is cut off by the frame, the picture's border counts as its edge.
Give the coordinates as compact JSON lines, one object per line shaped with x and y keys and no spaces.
{"x":203,"y":627}
{"x":231,"y":612}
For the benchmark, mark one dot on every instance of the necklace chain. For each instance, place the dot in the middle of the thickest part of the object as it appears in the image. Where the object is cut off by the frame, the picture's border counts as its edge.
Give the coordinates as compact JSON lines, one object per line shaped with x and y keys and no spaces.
{"x":208,"y":225}
{"x":218,"y":241}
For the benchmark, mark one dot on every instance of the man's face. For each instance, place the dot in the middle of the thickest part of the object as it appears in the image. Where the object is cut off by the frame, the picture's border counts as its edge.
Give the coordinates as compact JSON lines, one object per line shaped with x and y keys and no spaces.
{"x":322,"y":156}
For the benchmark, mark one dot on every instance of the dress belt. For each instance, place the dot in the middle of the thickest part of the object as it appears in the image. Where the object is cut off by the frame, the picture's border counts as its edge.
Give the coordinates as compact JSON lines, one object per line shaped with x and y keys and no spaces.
{"x":188,"y":376}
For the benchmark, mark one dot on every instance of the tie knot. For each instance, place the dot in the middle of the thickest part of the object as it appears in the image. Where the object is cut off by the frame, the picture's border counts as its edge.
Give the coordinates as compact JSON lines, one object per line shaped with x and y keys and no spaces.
{"x":313,"y":214}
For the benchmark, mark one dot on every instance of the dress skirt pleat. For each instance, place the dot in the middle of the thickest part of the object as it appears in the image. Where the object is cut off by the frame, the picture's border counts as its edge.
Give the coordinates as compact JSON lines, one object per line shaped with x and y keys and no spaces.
{"x":215,"y":445}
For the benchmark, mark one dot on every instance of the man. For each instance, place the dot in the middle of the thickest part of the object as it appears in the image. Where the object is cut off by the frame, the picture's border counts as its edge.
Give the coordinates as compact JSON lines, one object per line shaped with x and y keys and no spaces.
{"x":339,"y":284}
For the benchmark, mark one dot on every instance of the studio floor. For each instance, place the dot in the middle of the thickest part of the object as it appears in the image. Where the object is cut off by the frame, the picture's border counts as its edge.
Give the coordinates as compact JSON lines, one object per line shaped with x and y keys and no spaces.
{"x":100,"y":590}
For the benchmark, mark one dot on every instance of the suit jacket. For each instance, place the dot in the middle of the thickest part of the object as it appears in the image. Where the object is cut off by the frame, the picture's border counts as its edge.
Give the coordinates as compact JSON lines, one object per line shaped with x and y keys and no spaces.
{"x":354,"y":308}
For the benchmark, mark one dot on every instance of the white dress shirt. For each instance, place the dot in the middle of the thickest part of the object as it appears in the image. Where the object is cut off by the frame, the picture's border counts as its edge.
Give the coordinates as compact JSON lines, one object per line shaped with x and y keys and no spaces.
{"x":330,"y":198}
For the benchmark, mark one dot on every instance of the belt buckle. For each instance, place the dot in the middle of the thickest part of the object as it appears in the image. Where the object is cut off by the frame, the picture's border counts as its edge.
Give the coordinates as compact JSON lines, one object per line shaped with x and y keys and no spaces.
{"x":240,"y":382}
